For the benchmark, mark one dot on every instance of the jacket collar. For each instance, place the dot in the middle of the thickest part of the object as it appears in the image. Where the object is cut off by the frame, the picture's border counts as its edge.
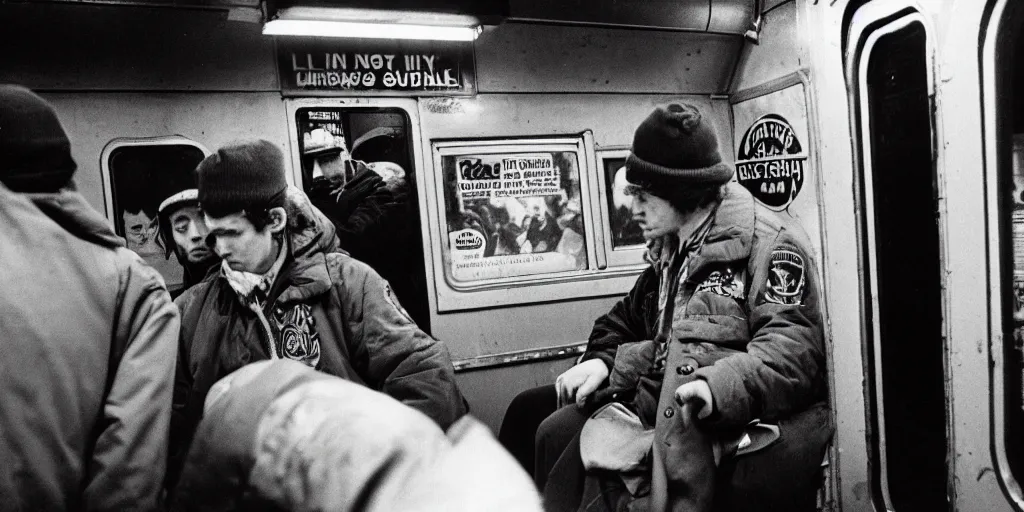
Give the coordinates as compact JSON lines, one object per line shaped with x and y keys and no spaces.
{"x":733,"y":228}
{"x":310,"y":236}
{"x":72,"y":212}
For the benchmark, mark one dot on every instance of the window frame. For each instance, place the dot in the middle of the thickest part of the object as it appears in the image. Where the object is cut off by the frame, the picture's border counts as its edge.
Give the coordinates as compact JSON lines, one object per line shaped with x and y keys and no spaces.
{"x":629,"y":255}
{"x":593,"y":281}
{"x":121,"y":142}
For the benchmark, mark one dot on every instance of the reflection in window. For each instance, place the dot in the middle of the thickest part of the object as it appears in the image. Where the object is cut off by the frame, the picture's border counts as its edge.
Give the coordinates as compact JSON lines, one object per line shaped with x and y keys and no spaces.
{"x":625,"y":231}
{"x":513,"y":214}
{"x":141,"y":177}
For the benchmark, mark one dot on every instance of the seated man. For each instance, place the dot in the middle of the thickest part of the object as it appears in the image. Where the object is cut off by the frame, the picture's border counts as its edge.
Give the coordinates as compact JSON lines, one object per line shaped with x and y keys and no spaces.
{"x":283,"y":291}
{"x":184,"y":233}
{"x":277,"y":435}
{"x":723,"y":330}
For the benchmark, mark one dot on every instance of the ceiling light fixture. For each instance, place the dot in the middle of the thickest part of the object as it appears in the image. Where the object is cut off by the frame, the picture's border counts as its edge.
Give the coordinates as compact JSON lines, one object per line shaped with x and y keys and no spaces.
{"x":376,"y":24}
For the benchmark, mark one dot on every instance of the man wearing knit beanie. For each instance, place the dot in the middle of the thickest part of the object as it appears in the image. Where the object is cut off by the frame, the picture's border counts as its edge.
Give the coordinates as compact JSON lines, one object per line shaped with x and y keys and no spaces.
{"x":285,"y":290}
{"x":88,"y":330}
{"x":718,"y":348}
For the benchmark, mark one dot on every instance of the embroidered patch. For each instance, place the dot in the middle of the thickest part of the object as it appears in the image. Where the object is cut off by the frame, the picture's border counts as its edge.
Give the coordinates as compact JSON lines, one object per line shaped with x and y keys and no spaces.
{"x":299,"y":339}
{"x":723,"y":282}
{"x":786,"y":278}
{"x":390,"y":297}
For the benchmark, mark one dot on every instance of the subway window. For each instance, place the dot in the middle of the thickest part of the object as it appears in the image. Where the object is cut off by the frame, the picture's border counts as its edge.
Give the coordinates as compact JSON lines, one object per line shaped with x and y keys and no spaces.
{"x":357,"y":167}
{"x":141,"y":174}
{"x":512,"y":211}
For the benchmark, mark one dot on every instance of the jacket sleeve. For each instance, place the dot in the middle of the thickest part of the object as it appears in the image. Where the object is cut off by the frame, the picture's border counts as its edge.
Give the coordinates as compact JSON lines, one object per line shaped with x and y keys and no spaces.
{"x":782,"y":371}
{"x":182,"y":424}
{"x":625,"y":323}
{"x":395,"y":356}
{"x":127,"y":467}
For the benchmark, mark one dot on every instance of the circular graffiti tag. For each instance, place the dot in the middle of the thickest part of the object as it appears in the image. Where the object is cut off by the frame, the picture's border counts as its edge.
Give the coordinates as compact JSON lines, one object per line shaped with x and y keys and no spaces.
{"x":771,"y":162}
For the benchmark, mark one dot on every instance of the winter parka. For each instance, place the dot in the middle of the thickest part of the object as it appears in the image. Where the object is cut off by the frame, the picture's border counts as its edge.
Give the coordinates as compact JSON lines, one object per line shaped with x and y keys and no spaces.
{"x":88,"y":332}
{"x":747,"y":320}
{"x":279,"y":436}
{"x":326,"y":310}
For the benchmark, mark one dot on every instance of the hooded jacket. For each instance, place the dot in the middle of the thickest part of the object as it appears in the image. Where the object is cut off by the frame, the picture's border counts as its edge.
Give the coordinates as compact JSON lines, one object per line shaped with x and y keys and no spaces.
{"x":252,"y":451}
{"x":326,"y":310}
{"x":89,"y":335}
{"x":747,"y":320}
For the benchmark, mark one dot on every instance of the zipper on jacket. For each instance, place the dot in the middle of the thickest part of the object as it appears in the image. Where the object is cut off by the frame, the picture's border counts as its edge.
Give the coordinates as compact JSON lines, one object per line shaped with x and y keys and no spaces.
{"x":271,"y":344}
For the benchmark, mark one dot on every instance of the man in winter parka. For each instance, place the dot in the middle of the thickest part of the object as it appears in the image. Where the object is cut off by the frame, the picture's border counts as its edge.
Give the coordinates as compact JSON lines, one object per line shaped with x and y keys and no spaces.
{"x":88,"y":336}
{"x":284,"y":291}
{"x":717,"y":350}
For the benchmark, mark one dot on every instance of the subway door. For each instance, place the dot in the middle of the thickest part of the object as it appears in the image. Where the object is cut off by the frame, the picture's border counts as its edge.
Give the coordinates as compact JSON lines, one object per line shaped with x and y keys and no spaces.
{"x":358,"y":161}
{"x":901,"y":259}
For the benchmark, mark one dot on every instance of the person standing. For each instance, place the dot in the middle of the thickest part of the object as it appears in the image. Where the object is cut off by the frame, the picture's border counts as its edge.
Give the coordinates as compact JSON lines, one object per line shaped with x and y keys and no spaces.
{"x":88,"y":334}
{"x":284,"y":291}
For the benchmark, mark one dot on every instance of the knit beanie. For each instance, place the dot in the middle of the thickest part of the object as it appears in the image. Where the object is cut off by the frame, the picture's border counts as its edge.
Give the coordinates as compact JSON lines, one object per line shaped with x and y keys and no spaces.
{"x":244,"y":176}
{"x":675,"y":147}
{"x":35,"y":154}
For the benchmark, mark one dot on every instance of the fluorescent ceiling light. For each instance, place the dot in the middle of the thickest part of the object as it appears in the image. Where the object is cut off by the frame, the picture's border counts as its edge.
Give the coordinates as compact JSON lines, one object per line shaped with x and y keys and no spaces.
{"x":377,"y":24}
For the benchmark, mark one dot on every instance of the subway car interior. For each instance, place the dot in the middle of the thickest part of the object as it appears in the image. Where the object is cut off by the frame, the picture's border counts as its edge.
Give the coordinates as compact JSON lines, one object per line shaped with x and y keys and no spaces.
{"x":890,"y":131}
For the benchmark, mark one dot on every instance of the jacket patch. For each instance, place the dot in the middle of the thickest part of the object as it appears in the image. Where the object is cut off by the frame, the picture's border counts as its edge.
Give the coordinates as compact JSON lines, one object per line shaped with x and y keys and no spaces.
{"x":723,"y":282}
{"x":299,"y":339}
{"x":786,"y":278}
{"x":390,"y":297}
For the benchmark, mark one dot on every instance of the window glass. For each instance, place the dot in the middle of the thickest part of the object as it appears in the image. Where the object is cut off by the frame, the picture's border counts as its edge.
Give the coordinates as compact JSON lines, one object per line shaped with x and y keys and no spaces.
{"x":624,"y":230}
{"x":513,"y":214}
{"x":141,"y":177}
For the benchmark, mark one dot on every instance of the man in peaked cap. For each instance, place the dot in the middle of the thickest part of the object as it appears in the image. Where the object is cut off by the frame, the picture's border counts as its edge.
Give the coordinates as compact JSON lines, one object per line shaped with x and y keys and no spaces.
{"x":284,"y":290}
{"x":183,"y":230}
{"x":88,"y":334}
{"x":689,"y":380}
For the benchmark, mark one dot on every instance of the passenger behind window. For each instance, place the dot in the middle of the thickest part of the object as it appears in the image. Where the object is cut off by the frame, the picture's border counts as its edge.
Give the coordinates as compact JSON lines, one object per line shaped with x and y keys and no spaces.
{"x":370,"y":205}
{"x":280,"y":436}
{"x":710,"y":374}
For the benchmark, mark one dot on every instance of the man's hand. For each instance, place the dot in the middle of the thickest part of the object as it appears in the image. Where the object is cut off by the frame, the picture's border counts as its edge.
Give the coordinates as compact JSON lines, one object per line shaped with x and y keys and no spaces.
{"x":578,"y":382}
{"x":697,"y":391}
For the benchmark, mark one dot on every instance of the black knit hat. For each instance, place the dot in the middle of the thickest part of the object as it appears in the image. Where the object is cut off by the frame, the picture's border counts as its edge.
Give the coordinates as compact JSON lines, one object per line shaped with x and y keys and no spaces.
{"x":244,"y":176}
{"x":35,"y":154}
{"x":675,"y":146}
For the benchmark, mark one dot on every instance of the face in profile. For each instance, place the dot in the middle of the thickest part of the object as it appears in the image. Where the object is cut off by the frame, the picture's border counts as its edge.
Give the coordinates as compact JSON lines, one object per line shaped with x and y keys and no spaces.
{"x":189,"y":231}
{"x":656,"y":216}
{"x":139,"y":229}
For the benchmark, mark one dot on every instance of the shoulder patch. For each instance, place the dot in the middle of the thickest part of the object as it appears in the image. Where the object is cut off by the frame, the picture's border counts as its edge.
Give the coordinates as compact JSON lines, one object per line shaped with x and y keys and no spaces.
{"x":786,"y":278}
{"x":391,"y":299}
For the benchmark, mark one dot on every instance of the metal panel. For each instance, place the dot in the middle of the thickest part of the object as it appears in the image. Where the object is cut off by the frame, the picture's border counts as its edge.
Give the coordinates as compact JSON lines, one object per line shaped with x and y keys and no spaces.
{"x":518,"y":57}
{"x":79,"y":46}
{"x":212,"y":120}
{"x":781,"y":50}
{"x":670,"y":14}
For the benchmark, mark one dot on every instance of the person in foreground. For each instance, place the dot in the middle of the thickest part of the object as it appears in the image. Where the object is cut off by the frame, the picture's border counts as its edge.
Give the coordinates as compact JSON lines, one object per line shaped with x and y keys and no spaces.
{"x":88,"y":335}
{"x":704,"y":388}
{"x":278,"y":435}
{"x":285,"y":291}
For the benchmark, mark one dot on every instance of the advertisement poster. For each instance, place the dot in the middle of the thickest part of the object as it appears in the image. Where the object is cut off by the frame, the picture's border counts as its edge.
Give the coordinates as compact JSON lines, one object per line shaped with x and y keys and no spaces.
{"x":513,"y":215}
{"x":774,"y":156}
